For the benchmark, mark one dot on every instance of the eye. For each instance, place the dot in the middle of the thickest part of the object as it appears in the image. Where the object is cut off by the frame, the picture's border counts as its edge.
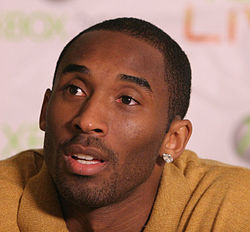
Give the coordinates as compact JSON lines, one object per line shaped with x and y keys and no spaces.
{"x":75,"y":90}
{"x":127,"y":100}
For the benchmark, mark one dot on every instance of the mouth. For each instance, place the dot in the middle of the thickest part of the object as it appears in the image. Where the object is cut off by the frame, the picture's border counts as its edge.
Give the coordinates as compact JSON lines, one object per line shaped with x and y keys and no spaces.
{"x":84,"y":161}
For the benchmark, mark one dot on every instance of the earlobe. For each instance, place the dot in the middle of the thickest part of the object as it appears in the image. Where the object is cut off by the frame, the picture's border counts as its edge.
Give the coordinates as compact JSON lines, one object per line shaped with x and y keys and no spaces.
{"x":42,"y":121}
{"x":177,"y":137}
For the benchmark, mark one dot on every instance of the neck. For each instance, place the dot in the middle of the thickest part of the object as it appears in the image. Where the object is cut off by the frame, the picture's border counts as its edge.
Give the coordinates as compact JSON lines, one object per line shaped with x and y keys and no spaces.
{"x":130,"y":214}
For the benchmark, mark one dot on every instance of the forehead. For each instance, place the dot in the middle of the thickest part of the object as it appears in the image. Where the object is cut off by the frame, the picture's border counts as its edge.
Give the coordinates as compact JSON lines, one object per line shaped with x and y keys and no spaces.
{"x":104,"y":50}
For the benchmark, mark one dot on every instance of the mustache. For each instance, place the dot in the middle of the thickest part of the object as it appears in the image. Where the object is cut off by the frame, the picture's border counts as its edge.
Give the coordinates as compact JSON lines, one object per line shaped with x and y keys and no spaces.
{"x":91,"y":141}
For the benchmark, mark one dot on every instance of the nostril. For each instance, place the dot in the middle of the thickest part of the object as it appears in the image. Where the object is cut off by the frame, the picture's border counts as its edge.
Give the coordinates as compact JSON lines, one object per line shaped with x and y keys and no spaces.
{"x":78,"y":127}
{"x":87,"y":126}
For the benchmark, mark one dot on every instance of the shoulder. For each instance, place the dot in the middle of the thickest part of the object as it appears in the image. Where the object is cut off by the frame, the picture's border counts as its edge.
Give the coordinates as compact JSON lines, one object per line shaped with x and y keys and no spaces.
{"x":19,"y":168}
{"x":195,"y":170}
{"x":15,"y":172}
{"x":219,"y":192}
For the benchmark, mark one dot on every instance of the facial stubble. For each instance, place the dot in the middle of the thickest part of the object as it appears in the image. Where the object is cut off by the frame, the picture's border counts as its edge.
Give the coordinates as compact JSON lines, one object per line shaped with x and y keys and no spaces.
{"x":99,"y":191}
{"x":95,"y":192}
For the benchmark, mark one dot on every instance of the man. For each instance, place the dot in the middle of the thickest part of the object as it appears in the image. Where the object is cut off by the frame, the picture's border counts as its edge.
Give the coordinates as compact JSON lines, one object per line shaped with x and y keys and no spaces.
{"x":113,"y":125}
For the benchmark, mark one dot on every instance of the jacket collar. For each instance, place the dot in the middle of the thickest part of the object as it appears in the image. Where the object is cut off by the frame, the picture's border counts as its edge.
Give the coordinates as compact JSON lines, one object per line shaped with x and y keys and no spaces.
{"x":39,"y":208}
{"x":172,"y":196}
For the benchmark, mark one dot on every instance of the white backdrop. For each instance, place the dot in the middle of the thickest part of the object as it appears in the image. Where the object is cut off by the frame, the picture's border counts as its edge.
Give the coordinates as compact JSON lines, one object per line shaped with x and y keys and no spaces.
{"x":214,"y":34}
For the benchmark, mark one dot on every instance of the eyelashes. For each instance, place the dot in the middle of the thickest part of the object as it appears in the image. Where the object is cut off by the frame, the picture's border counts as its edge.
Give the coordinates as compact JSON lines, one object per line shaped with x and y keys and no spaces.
{"x":127,"y":100}
{"x":76,"y":91}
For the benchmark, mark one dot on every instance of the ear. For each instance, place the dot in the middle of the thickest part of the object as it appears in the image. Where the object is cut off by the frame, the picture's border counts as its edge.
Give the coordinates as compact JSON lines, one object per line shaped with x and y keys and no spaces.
{"x":42,"y":121}
{"x":177,"y":137}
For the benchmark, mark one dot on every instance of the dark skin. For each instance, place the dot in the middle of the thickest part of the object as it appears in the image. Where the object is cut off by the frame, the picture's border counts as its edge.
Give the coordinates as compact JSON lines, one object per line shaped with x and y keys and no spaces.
{"x":110,"y":97}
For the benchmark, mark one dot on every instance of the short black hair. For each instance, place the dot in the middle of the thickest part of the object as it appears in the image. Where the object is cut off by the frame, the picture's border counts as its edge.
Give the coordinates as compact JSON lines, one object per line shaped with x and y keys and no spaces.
{"x":177,"y":67}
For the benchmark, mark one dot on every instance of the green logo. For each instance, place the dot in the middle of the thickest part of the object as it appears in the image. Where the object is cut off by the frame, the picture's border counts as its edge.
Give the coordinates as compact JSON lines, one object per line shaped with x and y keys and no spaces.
{"x":242,"y":139}
{"x":36,"y":26}
{"x":26,"y":136}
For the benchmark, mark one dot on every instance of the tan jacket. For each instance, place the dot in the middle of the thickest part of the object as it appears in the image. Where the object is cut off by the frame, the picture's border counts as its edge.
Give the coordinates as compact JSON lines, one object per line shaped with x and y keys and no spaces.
{"x":194,"y":195}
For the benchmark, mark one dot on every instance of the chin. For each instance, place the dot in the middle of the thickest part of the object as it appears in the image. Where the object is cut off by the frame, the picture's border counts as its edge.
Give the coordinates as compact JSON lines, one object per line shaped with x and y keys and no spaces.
{"x":83,"y":191}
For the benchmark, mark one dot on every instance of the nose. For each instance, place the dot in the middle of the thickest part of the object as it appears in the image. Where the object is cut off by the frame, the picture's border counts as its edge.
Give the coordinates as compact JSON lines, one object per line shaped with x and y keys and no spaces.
{"x":91,"y":118}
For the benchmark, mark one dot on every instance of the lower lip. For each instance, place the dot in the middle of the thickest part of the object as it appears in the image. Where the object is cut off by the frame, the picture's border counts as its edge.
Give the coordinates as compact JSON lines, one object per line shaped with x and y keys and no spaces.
{"x":74,"y":167}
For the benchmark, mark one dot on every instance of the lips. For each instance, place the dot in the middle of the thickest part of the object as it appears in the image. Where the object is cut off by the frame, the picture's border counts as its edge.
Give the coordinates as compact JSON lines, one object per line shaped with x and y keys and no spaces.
{"x":83,"y":161}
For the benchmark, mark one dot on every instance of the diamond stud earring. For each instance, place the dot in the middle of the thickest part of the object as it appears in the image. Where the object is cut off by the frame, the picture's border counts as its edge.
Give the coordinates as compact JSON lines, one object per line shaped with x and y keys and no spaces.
{"x":167,"y":158}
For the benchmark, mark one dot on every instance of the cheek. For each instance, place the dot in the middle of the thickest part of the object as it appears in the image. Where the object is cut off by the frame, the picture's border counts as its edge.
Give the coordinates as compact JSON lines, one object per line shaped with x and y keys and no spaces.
{"x":137,"y":135}
{"x":59,"y":116}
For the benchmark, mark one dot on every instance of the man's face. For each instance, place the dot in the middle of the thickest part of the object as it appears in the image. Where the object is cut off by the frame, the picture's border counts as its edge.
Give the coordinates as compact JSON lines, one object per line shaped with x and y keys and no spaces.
{"x":106,"y":118}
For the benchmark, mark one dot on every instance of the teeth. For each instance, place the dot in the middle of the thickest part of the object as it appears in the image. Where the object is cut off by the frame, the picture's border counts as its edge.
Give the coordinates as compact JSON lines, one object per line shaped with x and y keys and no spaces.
{"x":87,"y":162}
{"x":83,"y":157}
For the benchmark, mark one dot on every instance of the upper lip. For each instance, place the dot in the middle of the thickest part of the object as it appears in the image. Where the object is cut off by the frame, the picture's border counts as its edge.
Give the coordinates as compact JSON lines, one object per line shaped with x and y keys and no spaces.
{"x":74,"y":149}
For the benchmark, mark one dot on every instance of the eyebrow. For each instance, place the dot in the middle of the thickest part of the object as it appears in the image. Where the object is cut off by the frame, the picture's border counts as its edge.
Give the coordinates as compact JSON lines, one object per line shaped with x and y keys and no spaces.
{"x":75,"y":68}
{"x":83,"y":69}
{"x":137,"y":80}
